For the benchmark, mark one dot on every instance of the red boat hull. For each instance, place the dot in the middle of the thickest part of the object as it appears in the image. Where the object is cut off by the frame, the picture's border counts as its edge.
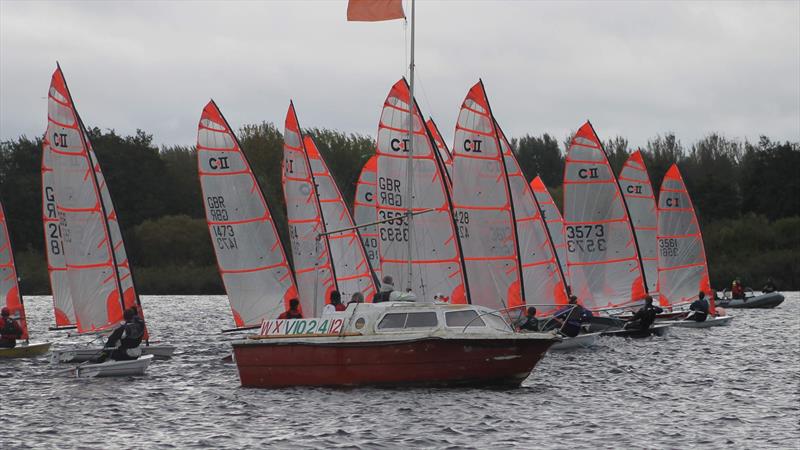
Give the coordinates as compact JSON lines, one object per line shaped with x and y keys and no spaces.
{"x":428,"y":361}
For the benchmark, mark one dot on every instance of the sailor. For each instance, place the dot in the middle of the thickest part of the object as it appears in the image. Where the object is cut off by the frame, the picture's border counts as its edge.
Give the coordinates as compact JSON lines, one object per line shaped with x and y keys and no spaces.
{"x":123,"y":344}
{"x":357,"y":297}
{"x":569,"y":318}
{"x":529,"y":322}
{"x":387,"y":287}
{"x":293,"y":312}
{"x":769,"y":286}
{"x":737,"y":290}
{"x":10,"y":330}
{"x":700,"y":308}
{"x":335,"y":304}
{"x":441,"y":298}
{"x":645,"y":316}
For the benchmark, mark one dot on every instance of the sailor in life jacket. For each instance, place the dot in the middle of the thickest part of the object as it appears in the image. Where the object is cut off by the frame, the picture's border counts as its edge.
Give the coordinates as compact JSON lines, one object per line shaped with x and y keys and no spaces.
{"x":123,"y":344}
{"x":10,"y":330}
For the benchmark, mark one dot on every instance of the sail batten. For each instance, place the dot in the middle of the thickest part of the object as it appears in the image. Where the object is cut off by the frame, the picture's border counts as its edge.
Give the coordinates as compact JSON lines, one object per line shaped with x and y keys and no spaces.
{"x":250,"y":257}
{"x":437,"y":267}
{"x":682,"y":266}
{"x":603,"y":263}
{"x":482,"y":207}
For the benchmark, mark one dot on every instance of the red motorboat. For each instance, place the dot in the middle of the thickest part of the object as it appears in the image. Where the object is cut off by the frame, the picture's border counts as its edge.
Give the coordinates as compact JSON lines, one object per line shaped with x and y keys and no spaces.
{"x":391,"y":344}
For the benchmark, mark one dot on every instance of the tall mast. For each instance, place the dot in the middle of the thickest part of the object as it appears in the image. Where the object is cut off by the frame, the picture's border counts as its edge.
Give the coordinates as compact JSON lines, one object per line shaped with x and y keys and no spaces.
{"x":410,"y":156}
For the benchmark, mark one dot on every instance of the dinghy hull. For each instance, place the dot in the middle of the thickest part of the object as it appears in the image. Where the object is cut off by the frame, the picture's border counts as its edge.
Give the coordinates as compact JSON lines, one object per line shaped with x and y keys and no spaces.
{"x":655,"y":330}
{"x":428,"y":361}
{"x":77,"y":355}
{"x":763,"y":301}
{"x":708,"y":323}
{"x":26,"y":350}
{"x":114,"y":368}
{"x":577,"y":342}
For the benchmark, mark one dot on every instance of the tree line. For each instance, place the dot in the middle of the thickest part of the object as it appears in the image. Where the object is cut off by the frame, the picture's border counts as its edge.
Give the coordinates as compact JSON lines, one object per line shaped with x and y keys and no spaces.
{"x":747,"y":196}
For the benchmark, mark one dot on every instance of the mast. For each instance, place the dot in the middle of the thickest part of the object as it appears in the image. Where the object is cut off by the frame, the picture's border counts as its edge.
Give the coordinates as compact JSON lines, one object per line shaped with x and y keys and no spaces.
{"x":410,"y":156}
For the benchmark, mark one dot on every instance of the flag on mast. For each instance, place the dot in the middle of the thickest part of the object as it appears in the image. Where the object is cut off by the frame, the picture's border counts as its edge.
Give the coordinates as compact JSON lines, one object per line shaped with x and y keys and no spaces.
{"x":374,"y":10}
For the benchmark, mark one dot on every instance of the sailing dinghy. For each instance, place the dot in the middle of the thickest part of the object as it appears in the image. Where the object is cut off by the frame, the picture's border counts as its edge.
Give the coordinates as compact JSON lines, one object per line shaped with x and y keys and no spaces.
{"x":554,"y":221}
{"x":638,"y":193}
{"x":98,"y":272}
{"x":323,"y":261}
{"x":12,"y":298}
{"x":249,"y":253}
{"x":682,"y":267}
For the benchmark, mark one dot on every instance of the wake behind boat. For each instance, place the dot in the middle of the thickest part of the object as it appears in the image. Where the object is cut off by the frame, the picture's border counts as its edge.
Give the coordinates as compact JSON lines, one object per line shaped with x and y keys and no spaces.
{"x":391,"y":344}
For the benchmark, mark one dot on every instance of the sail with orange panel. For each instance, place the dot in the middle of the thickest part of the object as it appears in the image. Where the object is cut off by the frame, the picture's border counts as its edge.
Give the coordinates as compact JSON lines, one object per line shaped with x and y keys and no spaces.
{"x":365,"y":211}
{"x":441,"y":147}
{"x":250,"y":257}
{"x":10,"y":296}
{"x":54,"y":246}
{"x":554,"y":221}
{"x":544,"y":282}
{"x":483,"y":207}
{"x":638,"y":192}
{"x":436,"y":264}
{"x":602,"y":257}
{"x":682,"y":266}
{"x":100,"y":280}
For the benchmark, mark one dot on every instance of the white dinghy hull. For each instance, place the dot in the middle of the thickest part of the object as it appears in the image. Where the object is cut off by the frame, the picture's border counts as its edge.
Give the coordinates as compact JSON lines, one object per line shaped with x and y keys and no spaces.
{"x":708,"y":323}
{"x":77,"y":355}
{"x":572,"y":343}
{"x":113,"y":368}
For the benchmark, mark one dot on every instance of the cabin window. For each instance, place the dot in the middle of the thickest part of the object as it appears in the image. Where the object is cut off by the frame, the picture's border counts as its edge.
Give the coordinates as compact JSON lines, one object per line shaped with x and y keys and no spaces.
{"x":408,"y":320}
{"x":462,"y":318}
{"x":394,"y":320}
{"x":421,"y":320}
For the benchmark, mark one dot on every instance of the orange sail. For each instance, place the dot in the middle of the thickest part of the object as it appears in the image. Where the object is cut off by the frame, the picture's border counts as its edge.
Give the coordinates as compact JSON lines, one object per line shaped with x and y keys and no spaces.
{"x":10,"y":296}
{"x":249,"y":253}
{"x":603,"y":261}
{"x":435,"y":249}
{"x":638,"y":193}
{"x":483,"y":208}
{"x":682,"y":267}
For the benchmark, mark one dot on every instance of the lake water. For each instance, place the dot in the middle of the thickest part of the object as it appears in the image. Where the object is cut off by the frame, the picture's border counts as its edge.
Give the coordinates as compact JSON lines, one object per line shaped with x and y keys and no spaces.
{"x":736,"y":386}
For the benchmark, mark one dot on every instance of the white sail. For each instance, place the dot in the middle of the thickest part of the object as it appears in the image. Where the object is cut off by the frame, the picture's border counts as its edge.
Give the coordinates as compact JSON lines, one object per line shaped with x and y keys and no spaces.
{"x":682,"y":267}
{"x":441,"y":148}
{"x":350,"y":264}
{"x":482,"y":207}
{"x":365,"y":210}
{"x":10,"y":297}
{"x":543,"y":281}
{"x":638,"y":193}
{"x":436,"y":260}
{"x":54,"y":245}
{"x":249,"y":253}
{"x":94,"y":279}
{"x":310,"y":254}
{"x":604,"y":266}
{"x":554,"y":221}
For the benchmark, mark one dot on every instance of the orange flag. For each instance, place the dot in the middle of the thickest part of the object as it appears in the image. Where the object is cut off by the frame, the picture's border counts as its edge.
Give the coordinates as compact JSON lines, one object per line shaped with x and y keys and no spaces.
{"x":374,"y":10}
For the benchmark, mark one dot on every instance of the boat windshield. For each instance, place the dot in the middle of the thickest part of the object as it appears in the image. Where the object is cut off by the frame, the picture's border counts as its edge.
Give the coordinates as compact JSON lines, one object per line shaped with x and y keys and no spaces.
{"x":463,"y":318}
{"x":408,"y":320}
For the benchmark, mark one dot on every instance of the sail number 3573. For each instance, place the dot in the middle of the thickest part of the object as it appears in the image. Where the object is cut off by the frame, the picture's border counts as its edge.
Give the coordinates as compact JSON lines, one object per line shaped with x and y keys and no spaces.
{"x":586,"y":238}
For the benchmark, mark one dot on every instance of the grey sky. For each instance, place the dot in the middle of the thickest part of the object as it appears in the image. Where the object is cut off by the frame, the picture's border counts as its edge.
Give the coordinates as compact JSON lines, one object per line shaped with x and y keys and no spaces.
{"x":635,"y":68}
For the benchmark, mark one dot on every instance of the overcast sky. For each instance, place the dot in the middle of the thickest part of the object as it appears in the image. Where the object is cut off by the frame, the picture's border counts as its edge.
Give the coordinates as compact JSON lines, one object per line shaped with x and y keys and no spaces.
{"x":634,"y":68}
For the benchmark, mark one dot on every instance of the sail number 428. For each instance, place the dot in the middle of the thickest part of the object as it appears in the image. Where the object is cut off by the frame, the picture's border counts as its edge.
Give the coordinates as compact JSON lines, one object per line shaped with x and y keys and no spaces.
{"x":586,"y":238}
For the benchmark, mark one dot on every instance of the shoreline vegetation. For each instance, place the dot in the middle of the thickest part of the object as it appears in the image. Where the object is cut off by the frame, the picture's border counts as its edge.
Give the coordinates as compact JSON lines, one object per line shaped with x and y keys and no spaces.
{"x":747,"y":196}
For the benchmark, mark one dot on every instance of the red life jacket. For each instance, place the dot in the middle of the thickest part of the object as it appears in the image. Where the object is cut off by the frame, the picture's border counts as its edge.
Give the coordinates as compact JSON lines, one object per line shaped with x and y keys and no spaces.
{"x":9,"y":329}
{"x":289,"y":314}
{"x":340,"y":307}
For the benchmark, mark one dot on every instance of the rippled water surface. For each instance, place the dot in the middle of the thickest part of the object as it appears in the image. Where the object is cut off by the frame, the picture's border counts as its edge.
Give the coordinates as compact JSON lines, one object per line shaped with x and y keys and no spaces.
{"x":732,"y":386}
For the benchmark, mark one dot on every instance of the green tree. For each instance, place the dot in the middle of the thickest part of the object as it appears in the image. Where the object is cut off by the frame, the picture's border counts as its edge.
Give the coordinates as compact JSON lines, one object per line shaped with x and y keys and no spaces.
{"x":540,"y":155}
